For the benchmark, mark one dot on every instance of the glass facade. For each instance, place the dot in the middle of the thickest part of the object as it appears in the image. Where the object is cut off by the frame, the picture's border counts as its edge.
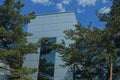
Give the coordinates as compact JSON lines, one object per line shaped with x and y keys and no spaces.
{"x":46,"y":61}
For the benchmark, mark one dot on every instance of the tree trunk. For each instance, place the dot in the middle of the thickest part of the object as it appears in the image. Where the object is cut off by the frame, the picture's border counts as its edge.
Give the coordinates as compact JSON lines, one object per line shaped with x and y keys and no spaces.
{"x":110,"y":68}
{"x":73,"y":71}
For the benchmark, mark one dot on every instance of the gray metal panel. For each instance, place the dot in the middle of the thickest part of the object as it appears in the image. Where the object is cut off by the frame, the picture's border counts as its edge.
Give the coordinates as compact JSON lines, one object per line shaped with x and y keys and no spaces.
{"x":51,"y":25}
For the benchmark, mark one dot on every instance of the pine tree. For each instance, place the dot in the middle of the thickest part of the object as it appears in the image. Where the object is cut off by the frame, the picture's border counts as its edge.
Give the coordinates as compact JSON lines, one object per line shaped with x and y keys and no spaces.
{"x":112,"y":40}
{"x":80,"y":55}
{"x":13,"y":42}
{"x":95,"y":50}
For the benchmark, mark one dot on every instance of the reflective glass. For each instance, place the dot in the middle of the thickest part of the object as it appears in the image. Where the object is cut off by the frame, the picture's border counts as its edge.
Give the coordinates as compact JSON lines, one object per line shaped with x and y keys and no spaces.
{"x":46,"y":61}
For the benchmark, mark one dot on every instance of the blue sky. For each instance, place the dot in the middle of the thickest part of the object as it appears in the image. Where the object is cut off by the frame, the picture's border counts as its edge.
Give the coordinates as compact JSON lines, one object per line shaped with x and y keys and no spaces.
{"x":84,"y":9}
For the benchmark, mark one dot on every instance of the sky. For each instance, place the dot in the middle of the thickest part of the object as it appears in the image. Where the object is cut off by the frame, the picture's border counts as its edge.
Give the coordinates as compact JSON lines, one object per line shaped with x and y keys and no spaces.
{"x":84,"y":9}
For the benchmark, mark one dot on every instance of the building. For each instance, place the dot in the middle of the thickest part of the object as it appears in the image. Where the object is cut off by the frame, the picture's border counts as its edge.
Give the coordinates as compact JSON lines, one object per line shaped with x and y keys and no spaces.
{"x":51,"y":26}
{"x":4,"y":70}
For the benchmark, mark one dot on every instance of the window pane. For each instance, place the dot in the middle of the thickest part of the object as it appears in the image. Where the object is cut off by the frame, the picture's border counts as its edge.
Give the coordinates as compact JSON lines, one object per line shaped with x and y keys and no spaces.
{"x":46,"y":61}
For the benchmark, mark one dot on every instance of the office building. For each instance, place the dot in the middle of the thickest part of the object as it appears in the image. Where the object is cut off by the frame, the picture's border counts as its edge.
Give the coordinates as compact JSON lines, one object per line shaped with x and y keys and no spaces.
{"x":51,"y":26}
{"x":4,"y":70}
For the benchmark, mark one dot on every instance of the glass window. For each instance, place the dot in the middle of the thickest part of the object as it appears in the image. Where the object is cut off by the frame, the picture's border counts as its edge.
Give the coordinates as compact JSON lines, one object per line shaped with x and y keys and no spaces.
{"x":46,"y":61}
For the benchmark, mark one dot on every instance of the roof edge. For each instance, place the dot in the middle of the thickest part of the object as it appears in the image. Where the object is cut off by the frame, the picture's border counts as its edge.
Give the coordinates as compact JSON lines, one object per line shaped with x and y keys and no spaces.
{"x":54,"y":13}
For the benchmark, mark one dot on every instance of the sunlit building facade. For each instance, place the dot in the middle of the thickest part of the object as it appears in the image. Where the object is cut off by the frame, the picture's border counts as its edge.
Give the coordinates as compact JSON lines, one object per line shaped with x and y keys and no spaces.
{"x":51,"y":26}
{"x":4,"y":70}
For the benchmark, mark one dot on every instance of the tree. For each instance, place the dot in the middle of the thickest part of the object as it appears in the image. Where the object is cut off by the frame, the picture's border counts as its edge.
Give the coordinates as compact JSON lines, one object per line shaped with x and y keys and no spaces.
{"x":94,"y":51}
{"x":13,"y":42}
{"x":80,"y":55}
{"x":112,"y":30}
{"x":88,"y":55}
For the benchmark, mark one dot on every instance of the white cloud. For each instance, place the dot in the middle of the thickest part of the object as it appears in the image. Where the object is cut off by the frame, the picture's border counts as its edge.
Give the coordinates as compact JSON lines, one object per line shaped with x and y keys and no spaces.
{"x":80,"y":11}
{"x":60,"y":7}
{"x":66,"y":2}
{"x":44,"y":2}
{"x":86,"y":2}
{"x":105,"y":10}
{"x":105,"y":1}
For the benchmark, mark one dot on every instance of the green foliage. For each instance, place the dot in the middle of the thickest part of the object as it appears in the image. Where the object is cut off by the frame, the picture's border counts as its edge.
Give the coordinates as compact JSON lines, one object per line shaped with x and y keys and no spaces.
{"x":46,"y":67}
{"x":93,"y":50}
{"x":45,"y":45}
{"x":13,"y":42}
{"x":112,"y":34}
